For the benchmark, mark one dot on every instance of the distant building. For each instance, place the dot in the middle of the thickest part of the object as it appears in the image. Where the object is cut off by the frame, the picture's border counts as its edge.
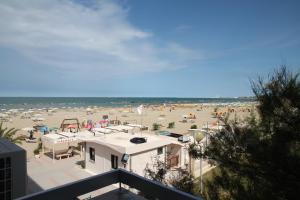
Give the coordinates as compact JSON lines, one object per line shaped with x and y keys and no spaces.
{"x":13,"y":171}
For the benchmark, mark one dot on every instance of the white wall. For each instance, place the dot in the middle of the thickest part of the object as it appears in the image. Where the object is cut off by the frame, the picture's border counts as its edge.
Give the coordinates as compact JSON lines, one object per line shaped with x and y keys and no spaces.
{"x":140,"y":161}
{"x":137,"y":162}
{"x":102,"y":158}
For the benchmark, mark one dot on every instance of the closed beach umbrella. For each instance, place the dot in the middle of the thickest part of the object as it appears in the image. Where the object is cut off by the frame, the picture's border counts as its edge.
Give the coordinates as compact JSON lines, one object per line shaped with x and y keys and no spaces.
{"x":140,"y":109}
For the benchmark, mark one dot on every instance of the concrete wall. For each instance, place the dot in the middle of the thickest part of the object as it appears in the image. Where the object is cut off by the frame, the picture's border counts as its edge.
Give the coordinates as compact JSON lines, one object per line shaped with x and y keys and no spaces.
{"x":102,"y":158}
{"x":139,"y":161}
{"x":136,"y":163}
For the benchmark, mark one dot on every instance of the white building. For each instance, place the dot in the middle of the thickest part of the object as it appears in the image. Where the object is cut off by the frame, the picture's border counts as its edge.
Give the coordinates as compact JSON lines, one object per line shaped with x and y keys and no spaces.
{"x":116,"y":150}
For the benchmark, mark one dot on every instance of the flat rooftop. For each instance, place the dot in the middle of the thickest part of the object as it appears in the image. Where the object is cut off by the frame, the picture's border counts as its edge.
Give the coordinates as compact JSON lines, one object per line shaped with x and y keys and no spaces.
{"x":116,"y":140}
{"x":120,"y":141}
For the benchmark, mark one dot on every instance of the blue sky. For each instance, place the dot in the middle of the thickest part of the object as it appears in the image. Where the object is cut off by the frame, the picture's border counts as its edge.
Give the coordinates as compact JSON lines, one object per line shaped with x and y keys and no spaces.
{"x":144,"y":48}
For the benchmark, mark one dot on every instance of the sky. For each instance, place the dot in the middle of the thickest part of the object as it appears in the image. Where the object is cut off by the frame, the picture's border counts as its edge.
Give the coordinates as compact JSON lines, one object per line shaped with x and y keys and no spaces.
{"x":141,"y":48}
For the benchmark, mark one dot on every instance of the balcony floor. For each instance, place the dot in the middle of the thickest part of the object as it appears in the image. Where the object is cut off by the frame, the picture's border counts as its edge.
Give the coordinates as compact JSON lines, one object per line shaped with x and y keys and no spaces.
{"x":44,"y":174}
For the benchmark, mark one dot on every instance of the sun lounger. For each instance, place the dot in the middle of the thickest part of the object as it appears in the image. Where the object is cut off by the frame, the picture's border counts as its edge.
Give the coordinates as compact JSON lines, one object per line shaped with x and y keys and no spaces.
{"x":31,"y":140}
{"x":68,"y":154}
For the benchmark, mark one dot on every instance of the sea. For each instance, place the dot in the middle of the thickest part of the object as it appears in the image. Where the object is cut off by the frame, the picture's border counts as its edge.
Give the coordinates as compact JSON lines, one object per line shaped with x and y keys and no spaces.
{"x":63,"y":102}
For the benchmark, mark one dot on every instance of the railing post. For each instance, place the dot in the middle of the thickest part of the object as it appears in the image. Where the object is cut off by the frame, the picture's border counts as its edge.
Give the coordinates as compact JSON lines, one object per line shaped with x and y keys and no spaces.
{"x":120,"y":181}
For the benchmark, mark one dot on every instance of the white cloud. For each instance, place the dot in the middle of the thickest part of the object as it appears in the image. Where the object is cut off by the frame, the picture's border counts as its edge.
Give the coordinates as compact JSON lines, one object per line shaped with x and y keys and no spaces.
{"x":69,"y":35}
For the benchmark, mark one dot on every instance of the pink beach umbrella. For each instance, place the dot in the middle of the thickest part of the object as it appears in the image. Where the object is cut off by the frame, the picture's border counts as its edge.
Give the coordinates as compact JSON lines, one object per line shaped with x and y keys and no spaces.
{"x":72,"y":126}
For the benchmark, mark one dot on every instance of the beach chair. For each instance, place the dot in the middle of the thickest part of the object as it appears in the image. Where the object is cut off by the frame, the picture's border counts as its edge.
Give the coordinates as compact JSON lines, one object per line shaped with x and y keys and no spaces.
{"x":31,"y":140}
{"x":67,"y":154}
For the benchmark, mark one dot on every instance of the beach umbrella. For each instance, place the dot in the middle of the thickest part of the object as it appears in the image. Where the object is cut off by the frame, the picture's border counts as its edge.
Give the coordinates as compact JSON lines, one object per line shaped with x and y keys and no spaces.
{"x":161,"y":119}
{"x":44,"y":128}
{"x":104,"y":121}
{"x":40,"y":119}
{"x":140,"y":109}
{"x":3,"y":115}
{"x":72,"y":126}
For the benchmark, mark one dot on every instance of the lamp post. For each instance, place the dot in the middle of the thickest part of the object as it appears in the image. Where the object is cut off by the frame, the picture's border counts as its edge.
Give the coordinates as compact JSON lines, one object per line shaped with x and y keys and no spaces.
{"x":201,"y":178}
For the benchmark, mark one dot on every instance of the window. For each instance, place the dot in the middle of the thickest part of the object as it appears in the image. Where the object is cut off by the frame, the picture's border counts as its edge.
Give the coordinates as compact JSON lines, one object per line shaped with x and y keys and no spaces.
{"x":125,"y":158}
{"x":92,"y":154}
{"x":114,"y":162}
{"x":159,"y":151}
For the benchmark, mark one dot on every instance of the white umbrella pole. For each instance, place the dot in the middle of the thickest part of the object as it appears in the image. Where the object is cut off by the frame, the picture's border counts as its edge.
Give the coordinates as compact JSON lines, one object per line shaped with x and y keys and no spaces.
{"x":53,"y":153}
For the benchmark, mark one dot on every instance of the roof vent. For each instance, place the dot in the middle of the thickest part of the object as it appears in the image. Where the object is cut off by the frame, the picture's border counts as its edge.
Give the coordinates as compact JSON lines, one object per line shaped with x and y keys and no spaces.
{"x":138,"y":140}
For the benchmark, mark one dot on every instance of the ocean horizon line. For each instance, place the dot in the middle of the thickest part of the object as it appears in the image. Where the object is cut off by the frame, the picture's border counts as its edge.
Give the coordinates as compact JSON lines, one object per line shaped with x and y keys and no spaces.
{"x":169,"y":97}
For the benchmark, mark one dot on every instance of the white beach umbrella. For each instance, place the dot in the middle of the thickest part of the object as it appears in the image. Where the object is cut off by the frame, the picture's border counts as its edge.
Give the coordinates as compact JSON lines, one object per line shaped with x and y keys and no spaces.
{"x":140,"y":109}
{"x":3,"y":115}
{"x":161,"y":118}
{"x":14,"y":110}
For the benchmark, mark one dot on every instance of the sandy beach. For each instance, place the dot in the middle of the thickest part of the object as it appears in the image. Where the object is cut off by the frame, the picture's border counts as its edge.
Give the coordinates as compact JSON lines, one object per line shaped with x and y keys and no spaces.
{"x":201,"y":114}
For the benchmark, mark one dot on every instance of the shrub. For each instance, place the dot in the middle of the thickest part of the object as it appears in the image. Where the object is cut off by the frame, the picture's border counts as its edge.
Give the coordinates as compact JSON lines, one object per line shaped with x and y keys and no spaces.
{"x":36,"y":151}
{"x":194,"y":126}
{"x":155,"y":127}
{"x":171,"y":125}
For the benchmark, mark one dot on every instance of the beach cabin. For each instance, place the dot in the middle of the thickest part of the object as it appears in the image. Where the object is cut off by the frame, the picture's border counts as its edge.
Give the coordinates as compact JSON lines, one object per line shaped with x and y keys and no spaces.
{"x":132,"y":152}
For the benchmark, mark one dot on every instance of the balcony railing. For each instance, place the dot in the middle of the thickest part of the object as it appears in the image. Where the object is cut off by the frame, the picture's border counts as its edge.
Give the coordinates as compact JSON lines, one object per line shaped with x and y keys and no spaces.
{"x":121,"y":176}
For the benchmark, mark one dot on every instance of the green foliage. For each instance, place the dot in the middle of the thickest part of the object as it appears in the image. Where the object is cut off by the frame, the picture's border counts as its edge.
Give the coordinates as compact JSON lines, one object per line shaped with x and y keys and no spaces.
{"x":171,"y":125}
{"x":199,"y":137}
{"x":261,"y":159}
{"x":216,"y":109}
{"x":155,"y":127}
{"x":157,"y":171}
{"x":38,"y":148}
{"x":36,"y":151}
{"x":194,"y":126}
{"x":194,"y":151}
{"x":184,"y":182}
{"x":10,"y":134}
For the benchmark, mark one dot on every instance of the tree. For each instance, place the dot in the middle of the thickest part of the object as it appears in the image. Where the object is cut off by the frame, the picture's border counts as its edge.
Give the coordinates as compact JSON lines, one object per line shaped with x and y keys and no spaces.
{"x":157,"y":172}
{"x":184,"y":181}
{"x":261,"y":158}
{"x":9,"y":134}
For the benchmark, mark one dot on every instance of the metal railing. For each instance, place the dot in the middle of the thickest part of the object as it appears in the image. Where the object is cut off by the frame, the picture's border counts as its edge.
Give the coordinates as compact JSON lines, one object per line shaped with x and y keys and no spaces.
{"x":84,"y":186}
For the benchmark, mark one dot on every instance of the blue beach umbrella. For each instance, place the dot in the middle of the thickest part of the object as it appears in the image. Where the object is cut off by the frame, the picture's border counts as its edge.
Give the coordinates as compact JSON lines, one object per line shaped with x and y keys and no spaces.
{"x":44,"y":129}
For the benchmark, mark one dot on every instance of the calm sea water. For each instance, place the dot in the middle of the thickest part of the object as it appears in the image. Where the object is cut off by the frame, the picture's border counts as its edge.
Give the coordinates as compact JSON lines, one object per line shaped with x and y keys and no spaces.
{"x":46,"y":102}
